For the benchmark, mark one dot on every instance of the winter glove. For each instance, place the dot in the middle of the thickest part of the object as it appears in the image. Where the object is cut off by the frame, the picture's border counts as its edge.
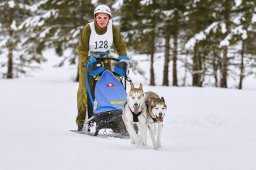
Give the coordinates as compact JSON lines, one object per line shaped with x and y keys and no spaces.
{"x":123,"y":57}
{"x":92,"y":60}
{"x":127,"y":60}
{"x":94,"y":67}
{"x":122,"y":66}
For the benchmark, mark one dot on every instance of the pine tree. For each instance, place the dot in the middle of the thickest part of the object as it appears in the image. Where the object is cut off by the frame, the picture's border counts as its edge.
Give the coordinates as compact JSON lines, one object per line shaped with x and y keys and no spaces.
{"x":57,"y":24}
{"x":141,"y":28}
{"x":237,"y":19}
{"x":173,"y":21}
{"x":12,"y":14}
{"x":131,"y":24}
{"x":220,"y":25}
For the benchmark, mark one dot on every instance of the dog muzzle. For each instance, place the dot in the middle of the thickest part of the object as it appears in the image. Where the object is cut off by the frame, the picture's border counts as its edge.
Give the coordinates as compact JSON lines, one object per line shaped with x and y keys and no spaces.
{"x":136,"y":109}
{"x":160,"y":119}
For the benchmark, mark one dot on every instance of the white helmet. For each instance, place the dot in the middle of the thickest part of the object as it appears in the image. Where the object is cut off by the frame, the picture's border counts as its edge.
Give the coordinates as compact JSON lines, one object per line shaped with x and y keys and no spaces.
{"x":102,"y":9}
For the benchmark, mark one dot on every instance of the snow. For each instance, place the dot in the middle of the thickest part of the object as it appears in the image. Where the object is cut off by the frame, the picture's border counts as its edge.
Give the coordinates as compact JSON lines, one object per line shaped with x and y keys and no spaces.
{"x":205,"y":128}
{"x":226,"y":41}
{"x":44,"y":33}
{"x":36,"y":5}
{"x":240,"y":30}
{"x":201,"y":35}
{"x":223,"y":28}
{"x":39,"y":20}
{"x":94,"y":2}
{"x":75,"y":32}
{"x":236,"y":31}
{"x":32,"y":22}
{"x":50,"y":13}
{"x":3,"y":42}
{"x":11,"y":4}
{"x":238,"y":2}
{"x":254,"y":18}
{"x":118,"y":4}
{"x":237,"y":19}
{"x":192,"y":41}
{"x":168,"y":13}
{"x":146,"y":2}
{"x":14,"y":26}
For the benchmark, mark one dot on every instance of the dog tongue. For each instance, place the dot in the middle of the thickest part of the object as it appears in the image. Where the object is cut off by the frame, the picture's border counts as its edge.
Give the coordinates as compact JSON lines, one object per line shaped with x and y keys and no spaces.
{"x":160,"y":119}
{"x":136,"y":110}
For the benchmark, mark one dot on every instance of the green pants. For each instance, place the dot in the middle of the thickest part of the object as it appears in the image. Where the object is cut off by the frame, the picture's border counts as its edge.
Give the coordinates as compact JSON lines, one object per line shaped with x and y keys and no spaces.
{"x":82,"y":93}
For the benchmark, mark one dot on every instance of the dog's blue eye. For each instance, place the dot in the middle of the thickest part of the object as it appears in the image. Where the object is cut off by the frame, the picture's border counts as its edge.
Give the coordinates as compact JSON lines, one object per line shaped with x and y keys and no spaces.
{"x":139,"y":97}
{"x":156,"y":108}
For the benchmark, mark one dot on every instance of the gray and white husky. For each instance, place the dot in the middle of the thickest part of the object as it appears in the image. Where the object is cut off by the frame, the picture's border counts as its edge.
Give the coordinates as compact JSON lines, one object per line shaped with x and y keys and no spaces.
{"x":156,"y":110}
{"x":134,"y":114}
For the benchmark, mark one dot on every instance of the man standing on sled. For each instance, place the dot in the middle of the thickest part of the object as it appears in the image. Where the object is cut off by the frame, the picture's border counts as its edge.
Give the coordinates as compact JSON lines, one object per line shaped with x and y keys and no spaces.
{"x":96,"y":39}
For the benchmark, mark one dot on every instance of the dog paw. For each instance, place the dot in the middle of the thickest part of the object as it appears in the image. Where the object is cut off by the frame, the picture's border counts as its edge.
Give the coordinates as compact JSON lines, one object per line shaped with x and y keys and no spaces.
{"x":140,"y":143}
{"x":159,"y":145}
{"x":156,"y":148}
{"x":144,"y":143}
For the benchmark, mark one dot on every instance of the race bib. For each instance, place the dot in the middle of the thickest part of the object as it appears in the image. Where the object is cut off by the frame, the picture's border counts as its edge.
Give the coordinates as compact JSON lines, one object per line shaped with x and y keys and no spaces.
{"x":100,"y":43}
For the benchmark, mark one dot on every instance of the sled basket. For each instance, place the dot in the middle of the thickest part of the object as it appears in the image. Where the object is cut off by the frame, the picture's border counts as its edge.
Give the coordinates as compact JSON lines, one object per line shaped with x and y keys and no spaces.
{"x":107,"y":99}
{"x":109,"y":94}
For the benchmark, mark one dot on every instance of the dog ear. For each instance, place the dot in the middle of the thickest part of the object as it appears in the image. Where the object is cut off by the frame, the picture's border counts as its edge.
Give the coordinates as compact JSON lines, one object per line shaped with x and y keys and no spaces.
{"x":140,"y":88}
{"x":162,"y":99}
{"x":152,"y":100}
{"x":132,"y":86}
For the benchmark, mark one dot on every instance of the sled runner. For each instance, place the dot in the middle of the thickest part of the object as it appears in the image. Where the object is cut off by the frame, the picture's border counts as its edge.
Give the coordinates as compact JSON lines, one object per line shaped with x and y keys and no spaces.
{"x":107,"y":96}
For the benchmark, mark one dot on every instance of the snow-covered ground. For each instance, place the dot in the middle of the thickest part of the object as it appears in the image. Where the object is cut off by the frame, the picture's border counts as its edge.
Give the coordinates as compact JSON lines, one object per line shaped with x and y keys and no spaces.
{"x":205,"y":129}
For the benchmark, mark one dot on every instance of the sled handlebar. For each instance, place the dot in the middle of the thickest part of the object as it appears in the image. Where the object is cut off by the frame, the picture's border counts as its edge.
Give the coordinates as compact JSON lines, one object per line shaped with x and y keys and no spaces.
{"x":108,"y":58}
{"x":126,"y":78}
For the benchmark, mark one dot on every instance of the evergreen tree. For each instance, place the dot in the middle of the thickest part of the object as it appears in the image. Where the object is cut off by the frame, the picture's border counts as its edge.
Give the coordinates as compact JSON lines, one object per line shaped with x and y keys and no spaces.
{"x":235,"y":18}
{"x":141,"y":28}
{"x":173,"y":22}
{"x":57,"y":24}
{"x":131,"y":24}
{"x":15,"y":59}
{"x":224,"y":25}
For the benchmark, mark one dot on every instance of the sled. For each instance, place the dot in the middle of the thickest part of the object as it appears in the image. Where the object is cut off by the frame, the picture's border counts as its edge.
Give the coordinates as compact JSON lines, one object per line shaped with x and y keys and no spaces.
{"x":107,"y":97}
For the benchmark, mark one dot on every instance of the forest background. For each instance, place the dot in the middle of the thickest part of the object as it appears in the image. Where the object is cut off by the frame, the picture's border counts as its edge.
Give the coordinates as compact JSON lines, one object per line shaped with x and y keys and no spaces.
{"x":201,"y":42}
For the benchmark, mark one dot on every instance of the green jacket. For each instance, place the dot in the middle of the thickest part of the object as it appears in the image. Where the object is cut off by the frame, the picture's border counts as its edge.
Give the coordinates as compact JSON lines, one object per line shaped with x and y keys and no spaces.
{"x":83,"y":47}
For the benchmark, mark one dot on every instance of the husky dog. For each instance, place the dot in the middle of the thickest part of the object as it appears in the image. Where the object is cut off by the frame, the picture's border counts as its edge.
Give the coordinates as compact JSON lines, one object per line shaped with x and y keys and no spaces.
{"x":135,"y":115}
{"x":156,"y":109}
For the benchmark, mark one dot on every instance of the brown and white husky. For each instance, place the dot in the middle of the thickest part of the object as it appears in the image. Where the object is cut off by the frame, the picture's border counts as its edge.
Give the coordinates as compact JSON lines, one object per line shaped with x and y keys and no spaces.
{"x":135,"y":115}
{"x":156,"y":110}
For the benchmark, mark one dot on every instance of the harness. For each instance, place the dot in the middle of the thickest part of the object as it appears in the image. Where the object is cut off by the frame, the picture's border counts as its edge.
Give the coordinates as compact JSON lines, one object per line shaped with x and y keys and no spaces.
{"x":134,"y":115}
